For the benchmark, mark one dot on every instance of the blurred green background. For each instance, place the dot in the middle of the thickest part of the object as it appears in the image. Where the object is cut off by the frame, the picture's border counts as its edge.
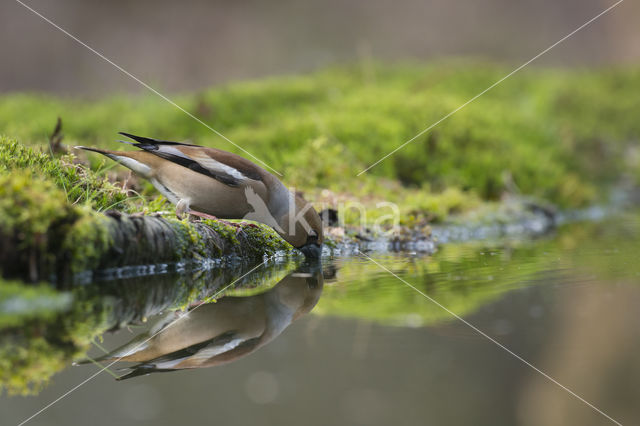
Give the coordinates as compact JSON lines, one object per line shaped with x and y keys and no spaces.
{"x":335,"y":86}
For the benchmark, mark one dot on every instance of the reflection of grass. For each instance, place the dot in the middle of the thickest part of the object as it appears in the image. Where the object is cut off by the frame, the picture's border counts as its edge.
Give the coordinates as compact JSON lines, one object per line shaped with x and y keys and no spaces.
{"x":559,"y":135}
{"x":464,"y":277}
{"x":40,"y":332}
{"x":461,"y":282}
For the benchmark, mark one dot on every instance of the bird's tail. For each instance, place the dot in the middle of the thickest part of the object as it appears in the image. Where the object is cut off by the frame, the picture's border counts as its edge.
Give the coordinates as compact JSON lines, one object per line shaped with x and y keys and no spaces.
{"x":142,"y":370}
{"x":124,"y":352}
{"x":107,"y":357}
{"x":106,"y":152}
{"x":130,"y":160}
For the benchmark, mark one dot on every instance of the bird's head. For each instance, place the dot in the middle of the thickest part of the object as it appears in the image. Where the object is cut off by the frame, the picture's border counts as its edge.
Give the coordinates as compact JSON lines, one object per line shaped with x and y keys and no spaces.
{"x":302,"y":228}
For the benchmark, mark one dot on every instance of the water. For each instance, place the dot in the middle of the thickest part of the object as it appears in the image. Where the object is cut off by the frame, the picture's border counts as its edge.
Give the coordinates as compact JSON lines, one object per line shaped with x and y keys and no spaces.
{"x":372,"y":350}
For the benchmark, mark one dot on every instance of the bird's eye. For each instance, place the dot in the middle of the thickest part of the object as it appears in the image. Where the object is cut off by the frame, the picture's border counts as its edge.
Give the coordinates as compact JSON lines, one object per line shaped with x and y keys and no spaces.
{"x":312,"y":239}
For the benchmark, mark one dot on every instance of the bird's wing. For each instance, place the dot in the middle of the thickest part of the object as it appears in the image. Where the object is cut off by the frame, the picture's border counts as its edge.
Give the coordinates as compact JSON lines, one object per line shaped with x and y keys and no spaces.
{"x":225,"y":167}
{"x":145,"y":368}
{"x":170,"y":360}
{"x":224,"y":348}
{"x":133,"y":348}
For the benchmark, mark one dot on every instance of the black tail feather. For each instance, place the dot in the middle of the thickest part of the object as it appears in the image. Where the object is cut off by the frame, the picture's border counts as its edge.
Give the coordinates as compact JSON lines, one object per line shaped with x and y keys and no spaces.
{"x":143,"y":370}
{"x":150,"y":143}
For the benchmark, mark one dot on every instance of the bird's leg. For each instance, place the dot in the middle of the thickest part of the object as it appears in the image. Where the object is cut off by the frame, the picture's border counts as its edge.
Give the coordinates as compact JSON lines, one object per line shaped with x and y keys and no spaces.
{"x":238,"y":226}
{"x":204,"y":215}
{"x":208,"y":216}
{"x":181,"y":208}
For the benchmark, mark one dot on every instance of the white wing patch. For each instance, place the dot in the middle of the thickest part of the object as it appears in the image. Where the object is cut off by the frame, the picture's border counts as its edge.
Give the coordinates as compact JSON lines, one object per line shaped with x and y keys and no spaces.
{"x":203,"y":354}
{"x":174,"y":151}
{"x":216,"y":166}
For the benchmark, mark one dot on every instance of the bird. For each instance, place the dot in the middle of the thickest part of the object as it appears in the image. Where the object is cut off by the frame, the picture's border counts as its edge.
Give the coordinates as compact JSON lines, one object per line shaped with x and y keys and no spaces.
{"x":222,"y":332}
{"x":213,"y":183}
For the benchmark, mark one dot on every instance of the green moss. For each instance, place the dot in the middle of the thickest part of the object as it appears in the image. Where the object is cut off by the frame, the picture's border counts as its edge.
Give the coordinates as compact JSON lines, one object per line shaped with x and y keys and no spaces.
{"x":226,"y":231}
{"x":184,"y":238}
{"x":39,"y":227}
{"x":80,"y":185}
{"x":561,"y":135}
{"x":29,"y":206}
{"x":264,"y":238}
{"x":87,"y":241}
{"x":196,"y":243}
{"x":261,"y":239}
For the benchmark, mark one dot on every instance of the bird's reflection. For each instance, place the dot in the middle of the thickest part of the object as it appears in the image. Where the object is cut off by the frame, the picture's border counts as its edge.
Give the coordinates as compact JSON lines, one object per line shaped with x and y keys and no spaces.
{"x":221,"y":332}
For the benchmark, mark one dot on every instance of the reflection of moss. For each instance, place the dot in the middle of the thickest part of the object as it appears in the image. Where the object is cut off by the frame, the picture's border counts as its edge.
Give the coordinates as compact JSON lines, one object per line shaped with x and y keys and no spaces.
{"x":40,"y":334}
{"x":44,"y":338}
{"x":464,"y":277}
{"x":27,"y":363}
{"x":364,"y":290}
{"x":20,"y":302}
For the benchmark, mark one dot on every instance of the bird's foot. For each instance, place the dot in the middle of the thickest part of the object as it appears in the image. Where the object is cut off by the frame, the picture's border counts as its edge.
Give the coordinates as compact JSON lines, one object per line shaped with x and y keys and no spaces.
{"x":240,"y":226}
{"x":249,"y":224}
{"x":246,"y":225}
{"x":182,"y":208}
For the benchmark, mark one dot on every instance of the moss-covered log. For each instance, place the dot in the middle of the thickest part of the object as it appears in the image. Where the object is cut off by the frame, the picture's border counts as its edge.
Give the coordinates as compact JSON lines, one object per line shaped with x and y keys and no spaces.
{"x":43,"y":237}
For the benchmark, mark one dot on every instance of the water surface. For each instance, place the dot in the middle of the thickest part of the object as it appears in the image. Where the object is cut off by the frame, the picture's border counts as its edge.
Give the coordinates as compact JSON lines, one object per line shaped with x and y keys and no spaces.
{"x":347,"y":342}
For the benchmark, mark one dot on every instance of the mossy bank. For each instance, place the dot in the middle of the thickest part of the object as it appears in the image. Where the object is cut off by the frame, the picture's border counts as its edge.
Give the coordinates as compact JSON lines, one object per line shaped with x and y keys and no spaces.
{"x":564,"y":136}
{"x":51,"y":226}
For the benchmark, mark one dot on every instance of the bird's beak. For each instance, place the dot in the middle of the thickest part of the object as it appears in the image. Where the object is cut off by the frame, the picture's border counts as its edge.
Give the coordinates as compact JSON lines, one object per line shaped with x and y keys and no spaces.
{"x":311,"y":250}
